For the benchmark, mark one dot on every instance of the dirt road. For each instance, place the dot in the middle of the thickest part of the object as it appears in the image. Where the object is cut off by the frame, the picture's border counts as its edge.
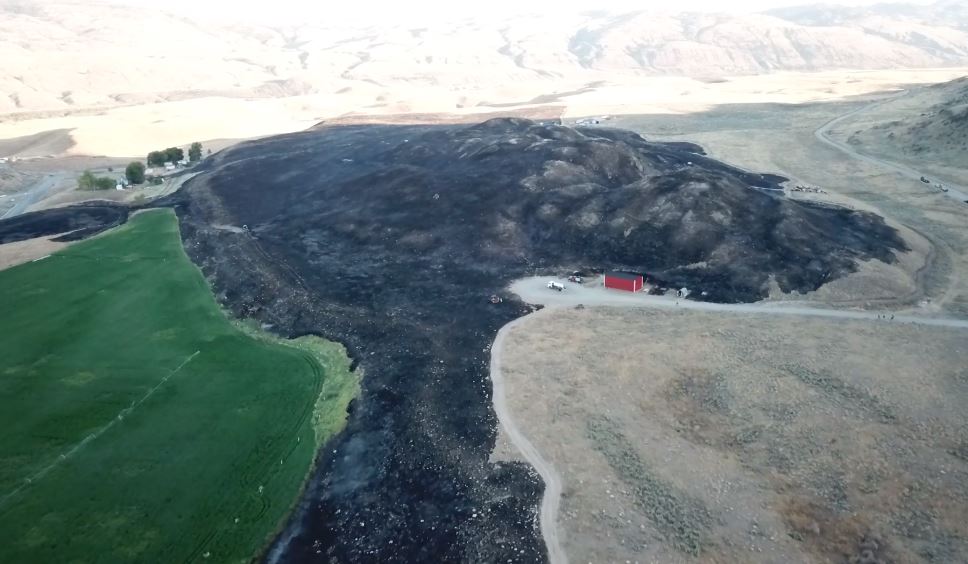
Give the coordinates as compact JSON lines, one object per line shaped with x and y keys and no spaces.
{"x":40,"y":190}
{"x":552,"y":493}
{"x":822,"y":134}
{"x":533,"y":291}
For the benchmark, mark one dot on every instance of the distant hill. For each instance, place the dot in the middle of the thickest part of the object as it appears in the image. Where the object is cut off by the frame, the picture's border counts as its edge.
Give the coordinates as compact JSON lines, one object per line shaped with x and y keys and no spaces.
{"x":930,"y":126}
{"x":943,"y":14}
{"x":65,"y":56}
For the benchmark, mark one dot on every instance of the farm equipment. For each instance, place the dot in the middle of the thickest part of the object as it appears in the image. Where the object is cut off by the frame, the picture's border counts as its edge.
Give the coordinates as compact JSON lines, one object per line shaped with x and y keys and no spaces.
{"x":575,"y":278}
{"x":555,"y":285}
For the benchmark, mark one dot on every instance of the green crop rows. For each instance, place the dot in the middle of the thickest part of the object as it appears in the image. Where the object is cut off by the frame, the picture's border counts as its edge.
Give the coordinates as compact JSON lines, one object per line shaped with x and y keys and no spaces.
{"x":137,"y":422}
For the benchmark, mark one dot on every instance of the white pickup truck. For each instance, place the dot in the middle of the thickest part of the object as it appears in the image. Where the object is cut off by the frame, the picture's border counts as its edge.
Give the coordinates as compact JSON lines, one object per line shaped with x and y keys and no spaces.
{"x":555,"y":285}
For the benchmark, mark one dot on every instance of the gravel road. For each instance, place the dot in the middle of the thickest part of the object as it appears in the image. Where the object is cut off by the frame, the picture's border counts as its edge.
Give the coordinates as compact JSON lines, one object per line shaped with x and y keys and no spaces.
{"x":955,"y":191}
{"x":40,"y":190}
{"x":552,"y":493}
{"x":534,"y":291}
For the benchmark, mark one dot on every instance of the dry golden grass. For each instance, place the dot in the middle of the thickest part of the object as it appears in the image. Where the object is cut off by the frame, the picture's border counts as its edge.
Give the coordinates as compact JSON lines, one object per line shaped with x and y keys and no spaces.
{"x":686,"y":436}
{"x":135,"y":129}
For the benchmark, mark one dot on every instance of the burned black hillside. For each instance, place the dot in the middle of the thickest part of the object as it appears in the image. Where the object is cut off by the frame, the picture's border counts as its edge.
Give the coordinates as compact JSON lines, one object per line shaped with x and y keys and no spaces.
{"x":390,"y":238}
{"x":74,"y":223}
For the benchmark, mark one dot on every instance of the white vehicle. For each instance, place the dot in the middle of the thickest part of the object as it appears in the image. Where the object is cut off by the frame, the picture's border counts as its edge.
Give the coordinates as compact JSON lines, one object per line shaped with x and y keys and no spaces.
{"x":556,"y":285}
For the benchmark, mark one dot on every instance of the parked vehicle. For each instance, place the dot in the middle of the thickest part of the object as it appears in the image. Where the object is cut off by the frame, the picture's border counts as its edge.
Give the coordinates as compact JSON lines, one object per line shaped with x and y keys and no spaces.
{"x":556,"y":285}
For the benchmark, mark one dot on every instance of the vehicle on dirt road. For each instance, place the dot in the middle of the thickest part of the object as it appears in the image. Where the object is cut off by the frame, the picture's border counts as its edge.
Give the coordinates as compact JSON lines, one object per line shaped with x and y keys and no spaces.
{"x":556,"y":285}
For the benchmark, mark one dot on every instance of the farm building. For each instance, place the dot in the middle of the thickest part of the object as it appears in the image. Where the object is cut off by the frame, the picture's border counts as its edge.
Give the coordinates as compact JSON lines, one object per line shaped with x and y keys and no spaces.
{"x":624,"y":281}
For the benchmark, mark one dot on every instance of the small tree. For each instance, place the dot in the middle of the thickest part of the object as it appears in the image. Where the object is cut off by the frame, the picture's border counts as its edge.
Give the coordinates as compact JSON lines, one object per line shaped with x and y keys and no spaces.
{"x":195,"y":152}
{"x":105,"y":183}
{"x":174,"y":154}
{"x":87,"y":181}
{"x":135,"y":172}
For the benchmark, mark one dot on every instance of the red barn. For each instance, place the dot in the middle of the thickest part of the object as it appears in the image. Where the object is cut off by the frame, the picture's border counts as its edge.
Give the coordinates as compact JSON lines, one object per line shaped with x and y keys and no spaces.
{"x":623,"y":281}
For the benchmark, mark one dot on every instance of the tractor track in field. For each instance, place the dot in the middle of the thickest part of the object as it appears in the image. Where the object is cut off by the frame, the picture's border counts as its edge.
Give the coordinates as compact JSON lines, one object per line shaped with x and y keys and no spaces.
{"x":40,"y":474}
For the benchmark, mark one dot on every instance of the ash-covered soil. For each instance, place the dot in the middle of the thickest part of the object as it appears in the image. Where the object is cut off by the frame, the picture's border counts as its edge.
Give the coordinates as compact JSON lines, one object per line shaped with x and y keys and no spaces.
{"x":77,"y":222}
{"x":390,"y":239}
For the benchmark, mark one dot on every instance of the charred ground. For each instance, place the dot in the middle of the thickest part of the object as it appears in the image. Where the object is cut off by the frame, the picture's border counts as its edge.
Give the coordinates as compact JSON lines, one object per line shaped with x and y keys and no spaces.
{"x":389,"y":239}
{"x":509,"y":195}
{"x":75,"y":223}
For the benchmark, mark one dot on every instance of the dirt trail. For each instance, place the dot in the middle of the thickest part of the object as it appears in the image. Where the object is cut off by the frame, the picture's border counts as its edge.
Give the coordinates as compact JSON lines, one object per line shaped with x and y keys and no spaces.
{"x":552,"y":492}
{"x":822,"y":134}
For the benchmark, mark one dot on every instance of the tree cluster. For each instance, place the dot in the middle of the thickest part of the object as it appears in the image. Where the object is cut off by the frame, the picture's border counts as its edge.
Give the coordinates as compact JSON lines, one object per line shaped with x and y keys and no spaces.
{"x":88,"y":181}
{"x":169,"y":155}
{"x":135,"y":172}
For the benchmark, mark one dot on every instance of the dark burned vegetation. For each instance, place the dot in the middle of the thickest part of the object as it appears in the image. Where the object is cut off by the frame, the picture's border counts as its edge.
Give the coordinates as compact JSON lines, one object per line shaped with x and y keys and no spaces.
{"x":509,"y":195}
{"x":390,"y":239}
{"x":76,"y":222}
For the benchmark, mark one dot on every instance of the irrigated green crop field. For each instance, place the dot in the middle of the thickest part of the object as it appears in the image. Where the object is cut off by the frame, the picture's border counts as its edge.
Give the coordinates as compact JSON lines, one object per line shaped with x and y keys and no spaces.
{"x":137,"y":422}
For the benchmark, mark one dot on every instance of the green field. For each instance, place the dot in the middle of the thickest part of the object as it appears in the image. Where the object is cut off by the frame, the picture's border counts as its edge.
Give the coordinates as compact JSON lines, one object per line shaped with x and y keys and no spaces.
{"x":139,"y":423}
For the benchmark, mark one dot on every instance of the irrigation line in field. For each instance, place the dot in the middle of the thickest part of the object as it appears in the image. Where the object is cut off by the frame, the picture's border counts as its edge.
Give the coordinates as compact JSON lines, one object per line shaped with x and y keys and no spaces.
{"x":40,"y":474}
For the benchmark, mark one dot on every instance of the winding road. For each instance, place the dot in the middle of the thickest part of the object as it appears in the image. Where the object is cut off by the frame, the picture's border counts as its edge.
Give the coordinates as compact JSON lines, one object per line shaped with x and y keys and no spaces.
{"x":551,"y":499}
{"x":40,"y":190}
{"x":822,"y":134}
